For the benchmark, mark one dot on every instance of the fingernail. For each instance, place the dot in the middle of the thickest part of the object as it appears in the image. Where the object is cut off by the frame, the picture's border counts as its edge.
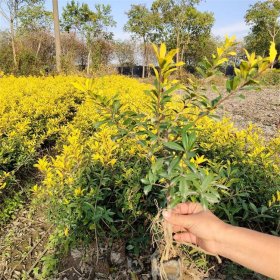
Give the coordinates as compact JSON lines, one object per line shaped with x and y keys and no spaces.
{"x":166,"y":214}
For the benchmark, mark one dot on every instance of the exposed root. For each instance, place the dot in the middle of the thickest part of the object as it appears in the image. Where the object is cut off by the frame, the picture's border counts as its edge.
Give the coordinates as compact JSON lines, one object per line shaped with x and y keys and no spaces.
{"x":169,"y":250}
{"x":163,"y":239}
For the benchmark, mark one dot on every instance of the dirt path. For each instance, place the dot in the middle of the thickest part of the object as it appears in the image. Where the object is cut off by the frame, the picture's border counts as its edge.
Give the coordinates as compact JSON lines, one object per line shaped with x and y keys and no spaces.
{"x":22,"y":245}
{"x":262,"y":108}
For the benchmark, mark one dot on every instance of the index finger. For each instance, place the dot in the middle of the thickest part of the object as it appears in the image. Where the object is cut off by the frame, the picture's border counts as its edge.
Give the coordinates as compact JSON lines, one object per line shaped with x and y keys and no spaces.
{"x":187,"y":208}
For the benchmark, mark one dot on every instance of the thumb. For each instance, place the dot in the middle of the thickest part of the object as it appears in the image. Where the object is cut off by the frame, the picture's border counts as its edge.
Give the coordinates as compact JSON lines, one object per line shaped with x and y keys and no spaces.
{"x":185,"y":221}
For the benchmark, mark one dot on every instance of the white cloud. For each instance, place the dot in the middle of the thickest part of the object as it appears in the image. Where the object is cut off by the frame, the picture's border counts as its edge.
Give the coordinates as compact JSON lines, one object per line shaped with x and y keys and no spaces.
{"x":240,"y":29}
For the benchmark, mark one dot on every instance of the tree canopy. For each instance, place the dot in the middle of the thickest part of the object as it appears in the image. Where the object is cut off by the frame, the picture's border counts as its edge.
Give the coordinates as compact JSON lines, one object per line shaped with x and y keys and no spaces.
{"x":264,"y":20}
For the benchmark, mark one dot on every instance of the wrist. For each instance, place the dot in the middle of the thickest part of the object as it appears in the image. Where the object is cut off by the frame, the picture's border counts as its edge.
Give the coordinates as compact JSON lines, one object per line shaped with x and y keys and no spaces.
{"x":221,"y":238}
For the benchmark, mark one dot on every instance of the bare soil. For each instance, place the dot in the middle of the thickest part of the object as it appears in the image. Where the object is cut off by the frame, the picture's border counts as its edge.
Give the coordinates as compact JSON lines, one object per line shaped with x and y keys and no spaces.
{"x":23,"y":244}
{"x":261,"y":108}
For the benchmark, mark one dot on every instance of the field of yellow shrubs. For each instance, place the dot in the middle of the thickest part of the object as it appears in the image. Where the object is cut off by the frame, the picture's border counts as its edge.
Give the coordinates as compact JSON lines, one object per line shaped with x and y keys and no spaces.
{"x":88,"y":174}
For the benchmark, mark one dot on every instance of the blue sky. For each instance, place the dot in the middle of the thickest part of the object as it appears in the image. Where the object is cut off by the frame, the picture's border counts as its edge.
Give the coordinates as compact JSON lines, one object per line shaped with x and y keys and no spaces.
{"x":229,"y":14}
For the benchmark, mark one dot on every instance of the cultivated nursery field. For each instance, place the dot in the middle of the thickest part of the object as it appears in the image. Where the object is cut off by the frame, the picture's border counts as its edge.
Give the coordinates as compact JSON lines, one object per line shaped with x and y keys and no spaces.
{"x":87,"y":165}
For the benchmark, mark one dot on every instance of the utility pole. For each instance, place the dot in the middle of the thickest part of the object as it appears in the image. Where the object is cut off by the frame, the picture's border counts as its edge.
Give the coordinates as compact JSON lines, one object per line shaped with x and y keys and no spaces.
{"x":57,"y":35}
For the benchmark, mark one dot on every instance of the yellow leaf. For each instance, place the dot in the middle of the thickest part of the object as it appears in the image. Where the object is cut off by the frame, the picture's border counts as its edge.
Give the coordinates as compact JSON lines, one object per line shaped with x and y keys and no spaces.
{"x":272,"y":52}
{"x":252,"y":58}
{"x":179,"y":64}
{"x":155,"y":51}
{"x":2,"y":186}
{"x":247,"y":54}
{"x":171,"y":54}
{"x":96,"y":157}
{"x":155,"y":71}
{"x":35,"y":188}
{"x":112,"y":162}
{"x":237,"y":71}
{"x":162,"y":51}
{"x":79,"y":86}
{"x":78,"y":191}
{"x":221,"y":61}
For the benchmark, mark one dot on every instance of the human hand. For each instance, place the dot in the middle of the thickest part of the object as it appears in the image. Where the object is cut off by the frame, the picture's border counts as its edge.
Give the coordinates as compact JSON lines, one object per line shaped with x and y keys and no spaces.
{"x":192,"y":224}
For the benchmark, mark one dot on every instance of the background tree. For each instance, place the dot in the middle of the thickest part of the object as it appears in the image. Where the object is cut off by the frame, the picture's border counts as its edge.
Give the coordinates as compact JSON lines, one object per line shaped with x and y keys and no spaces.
{"x":74,"y":53}
{"x":9,"y":11}
{"x":182,"y":24}
{"x":141,"y":24}
{"x":125,"y":54}
{"x":6,"y":53}
{"x":25,"y":17}
{"x":204,"y":46}
{"x":34,"y":35}
{"x":264,"y":19}
{"x":90,"y":26}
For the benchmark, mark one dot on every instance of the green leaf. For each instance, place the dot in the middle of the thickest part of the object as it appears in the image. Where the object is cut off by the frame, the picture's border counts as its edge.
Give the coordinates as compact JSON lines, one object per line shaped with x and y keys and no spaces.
{"x":130,"y":247}
{"x":174,"y":146}
{"x":172,"y":89}
{"x":229,"y":85}
{"x":207,"y":181}
{"x":212,"y":197}
{"x":253,"y":207}
{"x":192,"y":139}
{"x":215,"y":101}
{"x":175,"y":201}
{"x":184,"y":189}
{"x":157,"y":166}
{"x":236,"y":82}
{"x":145,"y":181}
{"x":151,"y":177}
{"x":147,"y":189}
{"x":190,"y":176}
{"x":214,"y":88}
{"x":116,"y":105}
{"x":185,"y":140}
{"x":173,"y":164}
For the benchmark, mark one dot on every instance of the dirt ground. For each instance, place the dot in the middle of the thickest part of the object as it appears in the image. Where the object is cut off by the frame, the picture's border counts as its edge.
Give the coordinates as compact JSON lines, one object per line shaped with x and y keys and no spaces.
{"x":261,"y":108}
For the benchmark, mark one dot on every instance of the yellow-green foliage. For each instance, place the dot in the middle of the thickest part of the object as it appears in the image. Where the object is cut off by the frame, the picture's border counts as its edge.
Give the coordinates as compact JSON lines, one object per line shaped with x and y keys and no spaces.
{"x":32,"y":112}
{"x":130,"y":92}
{"x":111,"y":150}
{"x":223,"y":141}
{"x":94,"y":180}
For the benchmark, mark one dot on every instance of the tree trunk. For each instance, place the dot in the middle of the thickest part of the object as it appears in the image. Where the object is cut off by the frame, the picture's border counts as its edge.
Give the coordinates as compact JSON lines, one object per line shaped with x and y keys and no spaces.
{"x":12,"y":30}
{"x":38,"y":48}
{"x":145,"y":59}
{"x":178,"y":47}
{"x":57,"y":35}
{"x":88,"y":61}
